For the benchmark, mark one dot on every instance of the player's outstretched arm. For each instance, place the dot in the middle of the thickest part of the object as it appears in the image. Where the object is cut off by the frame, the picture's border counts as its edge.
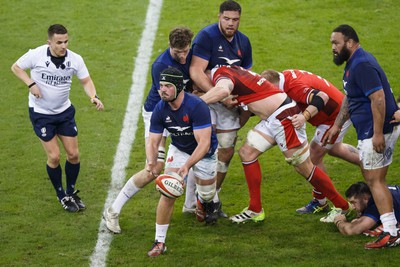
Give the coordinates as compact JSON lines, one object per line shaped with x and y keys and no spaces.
{"x":90,"y":90}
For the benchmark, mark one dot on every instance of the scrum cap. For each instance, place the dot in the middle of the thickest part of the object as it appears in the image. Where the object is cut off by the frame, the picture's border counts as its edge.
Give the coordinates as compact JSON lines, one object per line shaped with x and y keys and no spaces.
{"x":173,"y":76}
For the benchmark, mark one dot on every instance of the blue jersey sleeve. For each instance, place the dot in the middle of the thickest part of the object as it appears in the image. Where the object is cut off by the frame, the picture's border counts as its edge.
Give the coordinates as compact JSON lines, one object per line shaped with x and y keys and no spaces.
{"x":153,"y":97}
{"x":367,"y":78}
{"x":371,"y":210}
{"x":201,"y":118}
{"x":247,"y":58}
{"x":156,"y":122}
{"x":156,"y":69}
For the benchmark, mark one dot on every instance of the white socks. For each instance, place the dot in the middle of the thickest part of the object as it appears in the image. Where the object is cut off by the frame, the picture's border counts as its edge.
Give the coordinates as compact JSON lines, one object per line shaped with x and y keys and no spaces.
{"x":128,"y":191}
{"x":389,"y":223}
{"x":161,"y":232}
{"x":216,"y":197}
{"x":321,"y":201}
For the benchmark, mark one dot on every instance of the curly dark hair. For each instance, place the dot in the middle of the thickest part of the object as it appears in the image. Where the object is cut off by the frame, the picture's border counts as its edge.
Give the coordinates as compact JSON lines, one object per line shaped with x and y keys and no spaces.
{"x":180,"y":37}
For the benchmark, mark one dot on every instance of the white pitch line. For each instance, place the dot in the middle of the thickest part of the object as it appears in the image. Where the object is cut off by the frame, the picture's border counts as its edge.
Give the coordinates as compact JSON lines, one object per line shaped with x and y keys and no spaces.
{"x":133,"y":109}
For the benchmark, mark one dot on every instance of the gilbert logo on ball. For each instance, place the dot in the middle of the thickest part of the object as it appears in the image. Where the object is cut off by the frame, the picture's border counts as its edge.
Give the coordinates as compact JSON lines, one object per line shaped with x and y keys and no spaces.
{"x":170,"y":185}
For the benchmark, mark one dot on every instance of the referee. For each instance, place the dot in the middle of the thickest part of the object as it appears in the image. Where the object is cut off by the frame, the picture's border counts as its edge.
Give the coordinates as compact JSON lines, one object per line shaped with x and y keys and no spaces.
{"x":50,"y":110}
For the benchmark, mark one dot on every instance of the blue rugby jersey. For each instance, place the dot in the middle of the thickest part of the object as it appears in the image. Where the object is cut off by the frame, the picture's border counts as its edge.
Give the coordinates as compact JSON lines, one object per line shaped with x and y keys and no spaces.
{"x":192,"y":114}
{"x":211,"y":45}
{"x":363,"y":76}
{"x":372,"y":211}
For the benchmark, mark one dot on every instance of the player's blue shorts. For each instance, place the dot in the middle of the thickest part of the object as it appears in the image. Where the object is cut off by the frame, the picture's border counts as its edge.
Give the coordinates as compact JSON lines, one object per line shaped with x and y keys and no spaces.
{"x":47,"y":126}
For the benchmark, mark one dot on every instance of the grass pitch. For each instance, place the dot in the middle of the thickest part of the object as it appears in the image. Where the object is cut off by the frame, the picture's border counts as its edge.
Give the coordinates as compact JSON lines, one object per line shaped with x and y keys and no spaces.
{"x":35,"y":231}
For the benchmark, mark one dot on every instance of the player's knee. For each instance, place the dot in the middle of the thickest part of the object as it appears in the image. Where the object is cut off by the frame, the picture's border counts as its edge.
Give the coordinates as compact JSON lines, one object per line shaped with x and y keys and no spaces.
{"x":244,"y":152}
{"x":222,"y":166}
{"x":256,"y":140}
{"x":299,"y":156}
{"x":226,"y":140}
{"x":53,"y":159}
{"x":73,"y":157}
{"x":206,"y":192}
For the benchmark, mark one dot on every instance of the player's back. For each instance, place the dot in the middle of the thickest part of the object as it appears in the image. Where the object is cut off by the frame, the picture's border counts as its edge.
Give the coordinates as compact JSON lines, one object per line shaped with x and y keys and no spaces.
{"x":299,"y":84}
{"x":248,"y":86}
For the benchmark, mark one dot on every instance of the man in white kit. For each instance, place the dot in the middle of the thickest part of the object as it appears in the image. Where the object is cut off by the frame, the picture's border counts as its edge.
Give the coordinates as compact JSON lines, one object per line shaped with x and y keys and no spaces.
{"x":50,"y":110}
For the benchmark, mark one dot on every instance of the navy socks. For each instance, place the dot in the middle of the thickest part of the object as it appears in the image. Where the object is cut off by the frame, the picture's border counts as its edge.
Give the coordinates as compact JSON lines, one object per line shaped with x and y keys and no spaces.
{"x":55,"y":175}
{"x":71,"y":172}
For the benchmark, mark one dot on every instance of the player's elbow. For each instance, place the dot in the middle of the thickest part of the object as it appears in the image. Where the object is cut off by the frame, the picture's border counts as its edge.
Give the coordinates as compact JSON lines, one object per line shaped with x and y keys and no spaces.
{"x":324,"y":97}
{"x":14,"y":68}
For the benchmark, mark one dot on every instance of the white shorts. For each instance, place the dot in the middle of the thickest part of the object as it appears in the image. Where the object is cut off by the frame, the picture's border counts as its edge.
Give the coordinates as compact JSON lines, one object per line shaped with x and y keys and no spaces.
{"x":321,"y":130}
{"x":146,"y":119}
{"x":204,"y":169}
{"x":372,"y":160}
{"x":224,"y":118}
{"x":282,"y":130}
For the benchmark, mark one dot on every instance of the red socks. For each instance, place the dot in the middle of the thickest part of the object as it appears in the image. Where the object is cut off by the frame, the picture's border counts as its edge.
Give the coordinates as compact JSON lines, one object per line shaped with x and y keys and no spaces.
{"x":252,"y":171}
{"x":323,"y":184}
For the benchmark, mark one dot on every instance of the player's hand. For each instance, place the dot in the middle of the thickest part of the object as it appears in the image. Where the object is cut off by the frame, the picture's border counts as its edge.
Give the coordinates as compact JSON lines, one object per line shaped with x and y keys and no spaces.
{"x":97,"y":102}
{"x":152,"y":171}
{"x":35,"y":91}
{"x":330,"y":135}
{"x":230,"y":102}
{"x":339,"y":217}
{"x":378,"y":143}
{"x":396,"y":117}
{"x":198,"y":93}
{"x":183,"y":171}
{"x":298,"y":121}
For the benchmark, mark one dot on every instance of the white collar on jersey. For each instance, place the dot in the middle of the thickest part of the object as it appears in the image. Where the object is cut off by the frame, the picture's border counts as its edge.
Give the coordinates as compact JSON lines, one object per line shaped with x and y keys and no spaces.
{"x":281,"y":80}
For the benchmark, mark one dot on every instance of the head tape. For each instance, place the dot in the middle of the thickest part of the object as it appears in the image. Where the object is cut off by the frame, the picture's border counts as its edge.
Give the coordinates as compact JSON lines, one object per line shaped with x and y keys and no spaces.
{"x":173,"y":76}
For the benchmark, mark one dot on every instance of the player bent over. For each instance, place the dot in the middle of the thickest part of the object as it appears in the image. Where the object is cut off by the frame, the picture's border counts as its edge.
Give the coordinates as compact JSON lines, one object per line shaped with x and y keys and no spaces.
{"x":177,"y":55}
{"x":319,"y":101}
{"x":276,"y":111}
{"x":193,"y":145}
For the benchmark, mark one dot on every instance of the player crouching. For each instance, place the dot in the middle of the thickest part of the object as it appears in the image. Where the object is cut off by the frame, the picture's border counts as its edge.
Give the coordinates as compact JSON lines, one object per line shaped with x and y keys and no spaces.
{"x":193,"y":145}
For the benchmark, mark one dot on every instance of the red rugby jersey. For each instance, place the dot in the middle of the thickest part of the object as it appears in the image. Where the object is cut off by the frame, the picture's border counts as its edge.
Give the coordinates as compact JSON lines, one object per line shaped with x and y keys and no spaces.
{"x":299,"y":84}
{"x":249,"y":86}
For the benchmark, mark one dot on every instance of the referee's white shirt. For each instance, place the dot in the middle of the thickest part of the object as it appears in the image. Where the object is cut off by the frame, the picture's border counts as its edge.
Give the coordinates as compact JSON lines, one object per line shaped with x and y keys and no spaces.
{"x":54,"y":83}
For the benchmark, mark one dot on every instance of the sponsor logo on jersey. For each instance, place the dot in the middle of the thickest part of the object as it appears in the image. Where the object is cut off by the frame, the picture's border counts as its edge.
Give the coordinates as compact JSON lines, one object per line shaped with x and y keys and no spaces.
{"x":168,"y":119}
{"x":230,"y":61}
{"x":261,"y":81}
{"x":56,"y":79}
{"x":179,"y":128}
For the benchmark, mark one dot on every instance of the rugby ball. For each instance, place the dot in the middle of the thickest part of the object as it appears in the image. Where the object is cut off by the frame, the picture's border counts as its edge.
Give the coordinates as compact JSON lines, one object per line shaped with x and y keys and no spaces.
{"x":170,"y":185}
